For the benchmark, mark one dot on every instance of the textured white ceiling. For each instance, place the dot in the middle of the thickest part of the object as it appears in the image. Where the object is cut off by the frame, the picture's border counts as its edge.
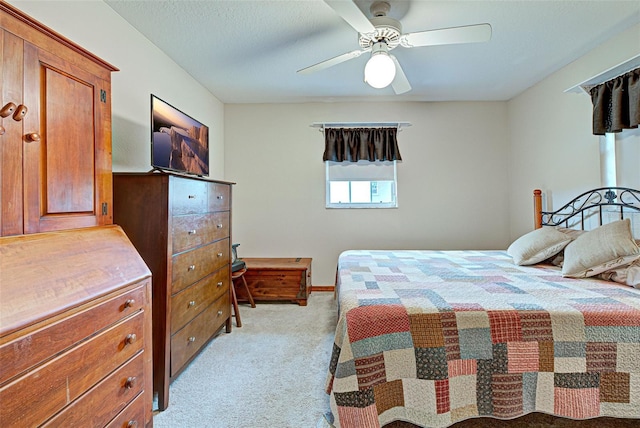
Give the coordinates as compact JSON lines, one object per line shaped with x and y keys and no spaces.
{"x":248,"y":51}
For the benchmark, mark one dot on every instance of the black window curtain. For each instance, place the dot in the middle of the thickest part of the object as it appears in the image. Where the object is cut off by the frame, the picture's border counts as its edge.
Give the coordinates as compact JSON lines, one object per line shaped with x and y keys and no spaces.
{"x":616,"y":103}
{"x":354,"y":144}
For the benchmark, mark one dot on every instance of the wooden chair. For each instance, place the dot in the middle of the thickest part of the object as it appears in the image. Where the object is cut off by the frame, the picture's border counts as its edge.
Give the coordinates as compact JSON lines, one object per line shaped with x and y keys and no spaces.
{"x":239,"y":276}
{"x":236,"y":277}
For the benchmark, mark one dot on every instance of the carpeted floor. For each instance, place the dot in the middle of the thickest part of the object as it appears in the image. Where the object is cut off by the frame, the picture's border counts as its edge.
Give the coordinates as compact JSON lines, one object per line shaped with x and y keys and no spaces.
{"x":270,"y":373}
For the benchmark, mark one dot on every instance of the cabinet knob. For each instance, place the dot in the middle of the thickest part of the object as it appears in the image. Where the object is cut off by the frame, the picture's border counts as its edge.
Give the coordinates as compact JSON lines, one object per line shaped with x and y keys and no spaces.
{"x":132,"y":424}
{"x":220,"y":312}
{"x":192,"y":232}
{"x":192,"y":303}
{"x":129,"y":303}
{"x":220,"y":284}
{"x":20,"y":113}
{"x":192,"y":196}
{"x":220,"y":197}
{"x":131,"y":338}
{"x":219,"y":254}
{"x":192,"y":339}
{"x":8,"y":109}
{"x":130,"y":382}
{"x":32,"y":137}
{"x":192,"y":267}
{"x":219,"y":226}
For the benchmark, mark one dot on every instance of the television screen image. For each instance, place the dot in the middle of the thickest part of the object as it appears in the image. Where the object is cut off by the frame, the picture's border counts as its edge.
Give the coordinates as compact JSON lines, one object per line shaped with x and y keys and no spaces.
{"x":178,"y":142}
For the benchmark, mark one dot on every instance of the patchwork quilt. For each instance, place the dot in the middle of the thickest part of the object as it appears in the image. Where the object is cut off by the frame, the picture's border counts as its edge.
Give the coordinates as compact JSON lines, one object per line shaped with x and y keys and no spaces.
{"x":436,"y":337}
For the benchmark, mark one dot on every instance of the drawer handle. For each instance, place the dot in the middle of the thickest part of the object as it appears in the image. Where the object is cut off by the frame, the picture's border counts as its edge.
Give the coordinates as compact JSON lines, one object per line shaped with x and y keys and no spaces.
{"x":220,"y":312}
{"x":129,"y":303}
{"x":192,"y":232}
{"x":192,"y":339}
{"x":131,"y":338}
{"x":219,"y":254}
{"x":130,"y":383}
{"x":192,"y":196}
{"x":192,"y":267}
{"x":132,"y":424}
{"x":192,"y":303}
{"x":219,"y":226}
{"x":220,"y":197}
{"x":220,"y":284}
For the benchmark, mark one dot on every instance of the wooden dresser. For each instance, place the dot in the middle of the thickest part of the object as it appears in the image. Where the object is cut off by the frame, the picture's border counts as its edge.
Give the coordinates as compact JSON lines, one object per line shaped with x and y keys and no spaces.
{"x":75,"y":330}
{"x":182,"y":228}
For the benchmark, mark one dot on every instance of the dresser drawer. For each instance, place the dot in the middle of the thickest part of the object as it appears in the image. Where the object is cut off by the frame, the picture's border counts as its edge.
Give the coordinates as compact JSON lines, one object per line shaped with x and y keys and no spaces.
{"x":99,"y":405}
{"x":186,"y":342}
{"x":27,"y":351}
{"x":33,"y":398}
{"x":219,"y":197}
{"x":190,"y":266}
{"x":131,"y":417}
{"x":188,"y":303}
{"x":187,"y":196}
{"x":189,"y":231}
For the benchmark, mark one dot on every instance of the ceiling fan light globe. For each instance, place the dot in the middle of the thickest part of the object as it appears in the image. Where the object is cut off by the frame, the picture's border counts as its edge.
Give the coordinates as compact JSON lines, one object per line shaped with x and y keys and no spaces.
{"x":379,"y":71}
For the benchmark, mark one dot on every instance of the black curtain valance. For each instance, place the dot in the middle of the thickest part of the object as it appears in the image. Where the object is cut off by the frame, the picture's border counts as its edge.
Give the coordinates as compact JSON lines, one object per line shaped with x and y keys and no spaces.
{"x":354,"y":144}
{"x":616,"y":103}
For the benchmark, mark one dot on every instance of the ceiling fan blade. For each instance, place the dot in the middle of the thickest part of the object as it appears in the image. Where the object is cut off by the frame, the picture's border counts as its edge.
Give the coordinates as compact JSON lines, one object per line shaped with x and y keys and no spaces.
{"x":332,"y":61}
{"x":400,"y":83}
{"x":448,"y":36}
{"x":348,"y":10}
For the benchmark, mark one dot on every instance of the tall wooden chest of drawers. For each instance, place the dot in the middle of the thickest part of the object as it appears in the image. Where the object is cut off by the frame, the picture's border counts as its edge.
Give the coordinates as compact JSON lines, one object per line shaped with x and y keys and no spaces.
{"x":182,"y":228}
{"x":75,"y":330}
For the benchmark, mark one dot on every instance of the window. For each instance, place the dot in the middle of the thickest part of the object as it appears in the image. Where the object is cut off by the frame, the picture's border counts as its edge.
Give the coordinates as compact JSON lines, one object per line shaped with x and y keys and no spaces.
{"x":361,"y":184}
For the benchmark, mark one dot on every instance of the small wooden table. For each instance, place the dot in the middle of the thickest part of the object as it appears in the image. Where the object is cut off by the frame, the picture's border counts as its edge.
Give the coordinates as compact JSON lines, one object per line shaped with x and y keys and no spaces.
{"x":278,"y":279}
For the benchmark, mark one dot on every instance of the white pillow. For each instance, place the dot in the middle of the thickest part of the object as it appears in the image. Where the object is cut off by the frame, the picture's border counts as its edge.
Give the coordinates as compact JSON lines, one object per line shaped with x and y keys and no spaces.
{"x":558,"y":259}
{"x":600,"y":249}
{"x":629,"y":275}
{"x":537,"y":246}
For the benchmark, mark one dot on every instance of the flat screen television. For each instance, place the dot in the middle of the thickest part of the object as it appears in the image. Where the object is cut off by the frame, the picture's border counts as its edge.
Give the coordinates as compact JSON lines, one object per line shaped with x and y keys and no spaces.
{"x":179,"y":143}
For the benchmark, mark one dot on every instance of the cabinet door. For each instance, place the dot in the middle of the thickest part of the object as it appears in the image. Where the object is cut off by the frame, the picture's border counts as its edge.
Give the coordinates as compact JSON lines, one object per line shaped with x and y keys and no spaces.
{"x":11,"y":218}
{"x":67,"y":144}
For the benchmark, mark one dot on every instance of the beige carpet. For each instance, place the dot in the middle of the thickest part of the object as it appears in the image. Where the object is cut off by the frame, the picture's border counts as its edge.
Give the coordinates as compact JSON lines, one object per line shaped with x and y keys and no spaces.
{"x":269,"y":373}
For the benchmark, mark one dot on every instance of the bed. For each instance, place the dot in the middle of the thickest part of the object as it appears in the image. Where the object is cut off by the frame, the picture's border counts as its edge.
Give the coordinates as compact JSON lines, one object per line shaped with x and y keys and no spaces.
{"x":550,"y":326}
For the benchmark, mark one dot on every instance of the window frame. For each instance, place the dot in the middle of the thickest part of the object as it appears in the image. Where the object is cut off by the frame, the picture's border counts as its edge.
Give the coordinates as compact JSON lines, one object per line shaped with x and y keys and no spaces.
{"x":361,"y":205}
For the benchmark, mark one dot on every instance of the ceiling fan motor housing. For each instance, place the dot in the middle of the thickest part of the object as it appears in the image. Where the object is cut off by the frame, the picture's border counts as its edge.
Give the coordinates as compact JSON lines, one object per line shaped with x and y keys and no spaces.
{"x":388,"y":30}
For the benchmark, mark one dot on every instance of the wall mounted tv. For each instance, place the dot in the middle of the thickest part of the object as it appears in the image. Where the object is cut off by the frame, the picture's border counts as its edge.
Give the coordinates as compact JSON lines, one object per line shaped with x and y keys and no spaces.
{"x":178,"y":142}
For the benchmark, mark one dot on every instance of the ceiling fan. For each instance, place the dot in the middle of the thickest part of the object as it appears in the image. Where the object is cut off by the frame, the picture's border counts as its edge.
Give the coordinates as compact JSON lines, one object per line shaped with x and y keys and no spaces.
{"x":381,"y":34}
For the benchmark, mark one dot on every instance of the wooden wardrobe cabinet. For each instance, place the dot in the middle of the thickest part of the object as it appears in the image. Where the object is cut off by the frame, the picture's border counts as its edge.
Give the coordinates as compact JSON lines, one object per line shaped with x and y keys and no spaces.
{"x":55,"y":142}
{"x":75,"y":296}
{"x":182,"y":228}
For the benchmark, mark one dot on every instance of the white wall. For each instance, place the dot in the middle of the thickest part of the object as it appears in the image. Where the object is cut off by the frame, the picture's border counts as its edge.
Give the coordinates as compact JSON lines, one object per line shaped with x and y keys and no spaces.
{"x":454,"y":164}
{"x":551,"y":144}
{"x":144,"y":70}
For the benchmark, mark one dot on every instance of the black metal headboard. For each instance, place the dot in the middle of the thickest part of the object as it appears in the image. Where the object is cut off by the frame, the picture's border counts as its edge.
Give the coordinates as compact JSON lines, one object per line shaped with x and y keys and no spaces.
{"x":620,"y":200}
